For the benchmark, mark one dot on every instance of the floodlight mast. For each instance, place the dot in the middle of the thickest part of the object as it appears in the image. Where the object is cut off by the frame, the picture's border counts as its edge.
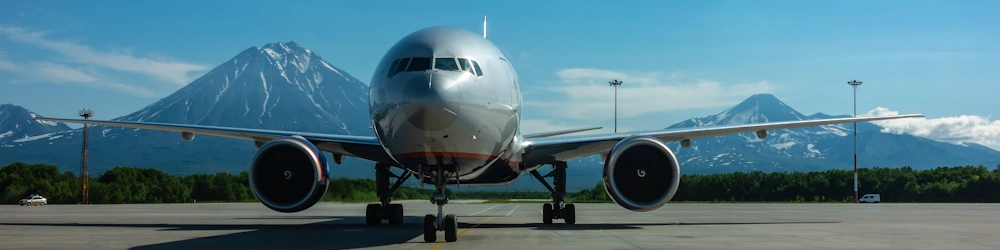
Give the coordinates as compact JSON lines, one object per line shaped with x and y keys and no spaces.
{"x":855,"y":84}
{"x":84,"y":195}
{"x":615,"y":83}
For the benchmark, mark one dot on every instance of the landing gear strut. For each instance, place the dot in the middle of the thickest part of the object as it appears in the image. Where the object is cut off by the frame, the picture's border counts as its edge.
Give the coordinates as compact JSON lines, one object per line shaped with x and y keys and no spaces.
{"x":558,"y":209}
{"x":375,"y":213}
{"x":447,"y":223}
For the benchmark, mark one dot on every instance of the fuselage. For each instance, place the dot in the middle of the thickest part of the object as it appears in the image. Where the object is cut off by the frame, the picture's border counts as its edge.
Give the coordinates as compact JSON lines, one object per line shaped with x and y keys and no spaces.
{"x":446,"y":98}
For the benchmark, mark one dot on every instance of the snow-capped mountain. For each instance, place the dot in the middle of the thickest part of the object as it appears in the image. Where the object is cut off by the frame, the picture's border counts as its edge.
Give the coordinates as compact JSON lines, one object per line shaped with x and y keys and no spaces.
{"x":17,"y":124}
{"x":280,"y":86}
{"x":811,"y":148}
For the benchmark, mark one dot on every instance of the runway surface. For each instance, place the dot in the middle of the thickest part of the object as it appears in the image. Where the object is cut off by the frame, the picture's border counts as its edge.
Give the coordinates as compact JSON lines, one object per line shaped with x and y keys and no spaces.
{"x":505,"y":226}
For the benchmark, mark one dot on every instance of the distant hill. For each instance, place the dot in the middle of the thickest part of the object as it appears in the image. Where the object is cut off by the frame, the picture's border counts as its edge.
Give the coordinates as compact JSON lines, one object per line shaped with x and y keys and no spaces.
{"x":18,"y":124}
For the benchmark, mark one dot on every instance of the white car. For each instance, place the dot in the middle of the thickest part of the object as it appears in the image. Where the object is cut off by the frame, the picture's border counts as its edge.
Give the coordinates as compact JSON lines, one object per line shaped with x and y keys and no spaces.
{"x":870,"y":198}
{"x":34,"y":200}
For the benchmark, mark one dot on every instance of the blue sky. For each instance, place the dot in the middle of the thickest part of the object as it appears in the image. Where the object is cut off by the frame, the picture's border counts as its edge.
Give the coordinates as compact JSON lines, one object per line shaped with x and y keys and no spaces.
{"x":679,"y":59}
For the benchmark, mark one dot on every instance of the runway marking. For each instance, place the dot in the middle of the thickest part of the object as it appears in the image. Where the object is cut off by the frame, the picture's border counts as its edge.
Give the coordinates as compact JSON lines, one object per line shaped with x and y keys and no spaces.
{"x":484,"y":210}
{"x":512,"y":211}
{"x":436,"y":246}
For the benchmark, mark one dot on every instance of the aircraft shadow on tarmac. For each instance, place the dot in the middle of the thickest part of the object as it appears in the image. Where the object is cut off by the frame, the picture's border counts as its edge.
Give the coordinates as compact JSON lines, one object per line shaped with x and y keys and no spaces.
{"x":332,"y":233}
{"x":622,"y":226}
{"x":342,"y":232}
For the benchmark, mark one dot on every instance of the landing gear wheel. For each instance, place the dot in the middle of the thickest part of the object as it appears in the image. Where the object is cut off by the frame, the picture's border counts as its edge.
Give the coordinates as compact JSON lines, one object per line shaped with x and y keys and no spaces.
{"x":394,"y":212}
{"x":547,"y":213}
{"x":430,"y":229}
{"x":450,"y":228}
{"x":373,"y":214}
{"x":570,"y":211}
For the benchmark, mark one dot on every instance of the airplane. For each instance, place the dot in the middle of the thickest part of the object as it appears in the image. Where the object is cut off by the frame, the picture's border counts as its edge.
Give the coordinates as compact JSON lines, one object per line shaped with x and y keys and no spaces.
{"x":445,"y":107}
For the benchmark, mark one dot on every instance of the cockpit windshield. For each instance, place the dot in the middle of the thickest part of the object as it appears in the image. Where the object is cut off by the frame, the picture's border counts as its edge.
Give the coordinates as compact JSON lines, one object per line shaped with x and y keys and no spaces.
{"x":446,"y":63}
{"x":439,"y":63}
{"x":400,"y":67}
{"x":466,"y":65}
{"x":419,"y":64}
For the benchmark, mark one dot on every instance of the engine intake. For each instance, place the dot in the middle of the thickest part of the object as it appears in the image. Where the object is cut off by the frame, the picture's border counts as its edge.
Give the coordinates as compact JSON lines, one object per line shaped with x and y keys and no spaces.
{"x":641,"y":173}
{"x":289,"y":174}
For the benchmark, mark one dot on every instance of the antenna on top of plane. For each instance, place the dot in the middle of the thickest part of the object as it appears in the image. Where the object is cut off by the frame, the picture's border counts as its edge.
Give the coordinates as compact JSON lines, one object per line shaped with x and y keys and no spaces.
{"x":484,"y":26}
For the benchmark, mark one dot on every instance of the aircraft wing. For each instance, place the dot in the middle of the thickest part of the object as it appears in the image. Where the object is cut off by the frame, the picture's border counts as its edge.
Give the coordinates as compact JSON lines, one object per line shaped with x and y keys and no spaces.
{"x":364,"y":147}
{"x":562,"y":132}
{"x":547,"y":150}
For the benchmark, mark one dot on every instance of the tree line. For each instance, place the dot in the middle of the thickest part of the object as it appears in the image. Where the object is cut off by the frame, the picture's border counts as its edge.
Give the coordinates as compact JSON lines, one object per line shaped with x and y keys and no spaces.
{"x":942,"y":184}
{"x":148,"y":185}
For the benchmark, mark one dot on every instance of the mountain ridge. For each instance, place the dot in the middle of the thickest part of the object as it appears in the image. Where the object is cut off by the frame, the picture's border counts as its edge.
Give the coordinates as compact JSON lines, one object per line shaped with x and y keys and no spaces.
{"x":17,"y":124}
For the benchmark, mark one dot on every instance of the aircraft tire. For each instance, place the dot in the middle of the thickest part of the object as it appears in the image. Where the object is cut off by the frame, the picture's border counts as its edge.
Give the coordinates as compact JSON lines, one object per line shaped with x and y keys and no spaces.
{"x":430,"y":230}
{"x":372,"y":214}
{"x":395,"y":213}
{"x":570,"y":212}
{"x":547,"y":213}
{"x":450,"y":228}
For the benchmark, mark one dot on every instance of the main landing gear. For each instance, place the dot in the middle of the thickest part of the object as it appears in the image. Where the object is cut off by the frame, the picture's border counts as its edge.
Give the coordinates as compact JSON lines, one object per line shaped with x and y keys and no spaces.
{"x":376,"y":213}
{"x":558,"y":209}
{"x":447,"y":223}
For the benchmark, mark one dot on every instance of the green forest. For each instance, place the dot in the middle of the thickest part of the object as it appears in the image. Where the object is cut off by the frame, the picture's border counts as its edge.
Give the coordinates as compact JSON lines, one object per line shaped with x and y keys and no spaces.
{"x":146,"y":185}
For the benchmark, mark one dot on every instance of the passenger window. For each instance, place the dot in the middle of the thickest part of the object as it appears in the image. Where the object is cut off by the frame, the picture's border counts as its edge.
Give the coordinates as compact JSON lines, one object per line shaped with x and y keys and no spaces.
{"x":419,"y":64}
{"x":401,"y":66}
{"x":392,"y":68}
{"x":466,"y":65}
{"x":446,"y":63}
{"x":479,"y":71}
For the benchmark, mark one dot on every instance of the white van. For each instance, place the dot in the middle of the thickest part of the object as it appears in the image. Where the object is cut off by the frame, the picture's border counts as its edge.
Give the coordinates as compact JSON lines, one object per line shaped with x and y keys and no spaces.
{"x":870,"y":198}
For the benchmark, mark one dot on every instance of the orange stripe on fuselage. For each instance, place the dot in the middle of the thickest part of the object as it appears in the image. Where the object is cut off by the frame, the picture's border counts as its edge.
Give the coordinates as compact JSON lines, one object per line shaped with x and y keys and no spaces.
{"x":463,"y":155}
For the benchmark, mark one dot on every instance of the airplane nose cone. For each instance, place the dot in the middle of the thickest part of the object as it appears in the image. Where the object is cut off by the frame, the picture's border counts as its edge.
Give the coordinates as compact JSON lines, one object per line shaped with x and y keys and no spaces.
{"x":435,"y":101}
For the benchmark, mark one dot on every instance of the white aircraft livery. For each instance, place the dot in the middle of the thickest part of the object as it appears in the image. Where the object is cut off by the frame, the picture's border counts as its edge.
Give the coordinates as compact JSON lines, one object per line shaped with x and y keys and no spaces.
{"x":445,"y":105}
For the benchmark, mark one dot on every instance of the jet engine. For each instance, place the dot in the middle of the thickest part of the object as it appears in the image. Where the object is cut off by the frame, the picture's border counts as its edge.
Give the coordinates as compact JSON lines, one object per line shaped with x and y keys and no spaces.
{"x":641,"y":173}
{"x":289,"y":174}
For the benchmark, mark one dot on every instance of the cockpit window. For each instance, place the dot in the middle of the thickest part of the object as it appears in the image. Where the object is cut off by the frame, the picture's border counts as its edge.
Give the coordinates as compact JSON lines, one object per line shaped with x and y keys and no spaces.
{"x":392,"y":68}
{"x":466,"y":65}
{"x":400,"y":67}
{"x":419,"y":64}
{"x":446,"y":63}
{"x":479,"y":71}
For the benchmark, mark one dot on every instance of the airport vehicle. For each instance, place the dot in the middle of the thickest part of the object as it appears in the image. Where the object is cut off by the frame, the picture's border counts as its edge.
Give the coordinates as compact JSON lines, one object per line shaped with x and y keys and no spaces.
{"x":34,"y":200}
{"x":445,"y":106}
{"x":870,"y":198}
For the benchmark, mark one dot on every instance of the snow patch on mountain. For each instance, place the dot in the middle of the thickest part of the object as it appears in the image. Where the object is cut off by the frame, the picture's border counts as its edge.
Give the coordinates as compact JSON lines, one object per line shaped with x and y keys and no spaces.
{"x":783,"y":145}
{"x":32,"y":138}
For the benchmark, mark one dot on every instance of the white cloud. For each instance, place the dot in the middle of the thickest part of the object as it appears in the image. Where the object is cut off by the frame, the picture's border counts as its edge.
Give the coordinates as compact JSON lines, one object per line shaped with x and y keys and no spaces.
{"x":167,"y":71}
{"x":587,"y":91}
{"x":59,"y":73}
{"x":953,"y":129}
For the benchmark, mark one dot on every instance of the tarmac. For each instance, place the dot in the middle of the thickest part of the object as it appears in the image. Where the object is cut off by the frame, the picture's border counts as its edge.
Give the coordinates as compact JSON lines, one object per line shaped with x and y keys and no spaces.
{"x":505,"y":226}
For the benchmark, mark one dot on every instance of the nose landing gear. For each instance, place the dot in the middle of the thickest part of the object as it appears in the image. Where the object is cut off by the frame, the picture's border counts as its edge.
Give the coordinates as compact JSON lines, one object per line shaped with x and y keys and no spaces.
{"x":447,"y":223}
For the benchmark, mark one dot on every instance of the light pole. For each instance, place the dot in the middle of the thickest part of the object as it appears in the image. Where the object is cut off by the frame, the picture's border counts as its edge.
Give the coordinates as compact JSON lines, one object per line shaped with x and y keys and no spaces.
{"x":85,"y":197}
{"x":855,"y":84}
{"x":615,"y":83}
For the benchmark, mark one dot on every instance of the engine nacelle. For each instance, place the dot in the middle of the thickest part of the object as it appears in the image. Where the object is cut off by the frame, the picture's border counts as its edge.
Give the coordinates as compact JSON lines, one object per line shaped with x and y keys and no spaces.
{"x":289,"y":174}
{"x":187,"y":136}
{"x":641,"y":173}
